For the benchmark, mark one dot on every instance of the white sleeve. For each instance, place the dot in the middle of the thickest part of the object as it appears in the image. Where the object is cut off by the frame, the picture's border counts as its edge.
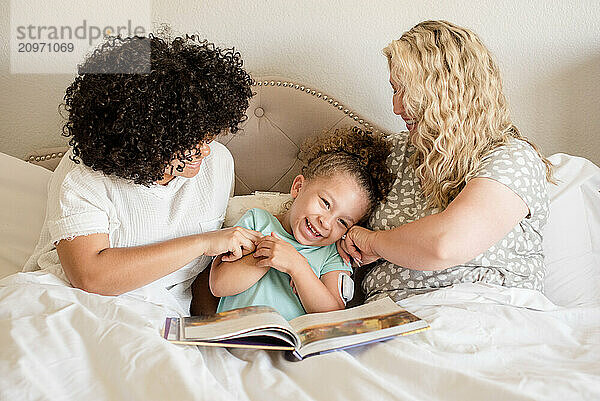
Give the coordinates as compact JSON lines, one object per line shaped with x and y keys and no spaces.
{"x":77,"y":205}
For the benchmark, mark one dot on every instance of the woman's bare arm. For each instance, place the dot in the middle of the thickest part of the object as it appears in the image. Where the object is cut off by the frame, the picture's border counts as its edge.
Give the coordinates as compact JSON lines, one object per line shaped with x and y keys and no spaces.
{"x":92,"y":265}
{"x":481,"y":215}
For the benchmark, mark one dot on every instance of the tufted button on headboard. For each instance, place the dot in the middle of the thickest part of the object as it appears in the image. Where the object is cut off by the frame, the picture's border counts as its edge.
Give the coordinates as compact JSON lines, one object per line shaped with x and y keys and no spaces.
{"x":281,"y":116}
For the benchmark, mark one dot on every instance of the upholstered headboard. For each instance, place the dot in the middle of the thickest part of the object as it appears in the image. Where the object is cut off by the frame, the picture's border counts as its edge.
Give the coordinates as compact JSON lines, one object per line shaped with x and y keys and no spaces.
{"x":281,"y":115}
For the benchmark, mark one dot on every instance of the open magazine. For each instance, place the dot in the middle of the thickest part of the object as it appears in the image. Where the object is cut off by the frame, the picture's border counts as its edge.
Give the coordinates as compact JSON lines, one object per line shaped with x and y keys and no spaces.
{"x":311,"y":334}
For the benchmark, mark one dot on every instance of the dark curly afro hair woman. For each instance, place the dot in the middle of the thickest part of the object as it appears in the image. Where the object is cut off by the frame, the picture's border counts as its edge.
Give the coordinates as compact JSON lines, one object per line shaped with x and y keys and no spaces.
{"x":133,"y":124}
{"x":361,"y":154}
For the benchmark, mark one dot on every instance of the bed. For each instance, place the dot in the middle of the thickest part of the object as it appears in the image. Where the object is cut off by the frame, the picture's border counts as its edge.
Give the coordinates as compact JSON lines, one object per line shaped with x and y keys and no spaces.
{"x":485,"y":342}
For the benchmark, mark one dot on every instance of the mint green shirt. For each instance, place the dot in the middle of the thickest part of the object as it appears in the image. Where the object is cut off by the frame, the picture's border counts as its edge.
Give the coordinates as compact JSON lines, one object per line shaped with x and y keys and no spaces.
{"x":273,"y":289}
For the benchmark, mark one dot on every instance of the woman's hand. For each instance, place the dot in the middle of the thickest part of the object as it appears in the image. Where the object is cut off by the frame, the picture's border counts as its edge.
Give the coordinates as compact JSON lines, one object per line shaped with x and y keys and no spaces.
{"x":358,"y":245}
{"x":233,"y":243}
{"x":278,"y":254}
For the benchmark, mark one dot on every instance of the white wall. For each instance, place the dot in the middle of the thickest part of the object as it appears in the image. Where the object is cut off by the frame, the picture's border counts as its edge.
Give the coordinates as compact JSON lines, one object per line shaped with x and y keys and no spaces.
{"x":548,"y":51}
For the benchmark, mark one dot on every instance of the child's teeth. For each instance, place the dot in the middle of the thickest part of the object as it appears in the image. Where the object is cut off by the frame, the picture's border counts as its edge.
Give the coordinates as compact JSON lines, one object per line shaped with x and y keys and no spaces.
{"x":311,"y":228}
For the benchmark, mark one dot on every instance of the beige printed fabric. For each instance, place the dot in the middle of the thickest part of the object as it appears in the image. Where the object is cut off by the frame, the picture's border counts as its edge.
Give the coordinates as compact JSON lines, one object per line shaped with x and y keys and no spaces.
{"x":517,"y":260}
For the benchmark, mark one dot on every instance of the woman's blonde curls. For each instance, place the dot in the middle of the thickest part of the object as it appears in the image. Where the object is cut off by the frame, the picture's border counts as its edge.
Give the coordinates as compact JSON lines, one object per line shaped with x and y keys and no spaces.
{"x":451,"y":85}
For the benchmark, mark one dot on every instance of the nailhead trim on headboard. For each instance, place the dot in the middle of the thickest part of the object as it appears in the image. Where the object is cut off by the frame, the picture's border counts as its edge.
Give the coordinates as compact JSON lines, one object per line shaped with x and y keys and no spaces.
{"x":330,"y":100}
{"x":32,"y":159}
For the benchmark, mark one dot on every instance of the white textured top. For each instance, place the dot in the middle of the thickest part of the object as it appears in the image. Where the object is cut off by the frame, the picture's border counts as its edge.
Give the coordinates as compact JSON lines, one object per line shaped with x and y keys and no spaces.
{"x":82,"y":202}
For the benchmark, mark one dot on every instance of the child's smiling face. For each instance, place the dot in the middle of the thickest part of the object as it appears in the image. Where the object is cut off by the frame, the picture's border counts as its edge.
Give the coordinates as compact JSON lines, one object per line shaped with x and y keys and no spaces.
{"x":324,"y":208}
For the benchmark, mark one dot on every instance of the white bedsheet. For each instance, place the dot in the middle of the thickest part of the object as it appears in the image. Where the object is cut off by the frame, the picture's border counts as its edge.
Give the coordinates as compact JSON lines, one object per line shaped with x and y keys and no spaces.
{"x":485,"y":342}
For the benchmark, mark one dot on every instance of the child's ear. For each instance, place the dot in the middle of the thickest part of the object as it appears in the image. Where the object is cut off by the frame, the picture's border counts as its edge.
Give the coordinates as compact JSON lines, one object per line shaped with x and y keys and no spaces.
{"x":296,"y":185}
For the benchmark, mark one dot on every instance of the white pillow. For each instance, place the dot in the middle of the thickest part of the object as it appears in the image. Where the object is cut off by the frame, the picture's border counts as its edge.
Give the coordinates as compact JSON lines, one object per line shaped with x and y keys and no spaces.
{"x":572,"y":234}
{"x":272,"y":202}
{"x":23,"y":192}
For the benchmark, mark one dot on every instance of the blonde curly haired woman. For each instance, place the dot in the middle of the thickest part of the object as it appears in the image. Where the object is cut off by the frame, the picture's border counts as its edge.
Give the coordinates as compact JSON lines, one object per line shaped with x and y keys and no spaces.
{"x":470,"y":197}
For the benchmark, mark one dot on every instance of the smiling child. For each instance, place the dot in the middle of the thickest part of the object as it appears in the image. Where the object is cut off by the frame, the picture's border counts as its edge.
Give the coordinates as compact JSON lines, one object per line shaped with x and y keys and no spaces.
{"x":296,"y":267}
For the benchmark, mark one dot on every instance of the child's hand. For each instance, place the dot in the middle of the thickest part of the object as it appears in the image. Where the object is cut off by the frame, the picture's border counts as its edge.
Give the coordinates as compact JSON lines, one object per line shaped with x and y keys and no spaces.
{"x":278,"y":254}
{"x":233,"y":242}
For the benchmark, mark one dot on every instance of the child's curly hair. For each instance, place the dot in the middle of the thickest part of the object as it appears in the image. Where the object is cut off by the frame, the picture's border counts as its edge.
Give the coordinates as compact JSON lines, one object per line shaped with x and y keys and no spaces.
{"x":362,"y":154}
{"x":133,"y":124}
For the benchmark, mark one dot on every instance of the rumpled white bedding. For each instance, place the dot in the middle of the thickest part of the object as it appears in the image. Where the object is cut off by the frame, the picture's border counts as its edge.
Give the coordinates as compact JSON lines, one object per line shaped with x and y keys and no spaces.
{"x":485,"y":342}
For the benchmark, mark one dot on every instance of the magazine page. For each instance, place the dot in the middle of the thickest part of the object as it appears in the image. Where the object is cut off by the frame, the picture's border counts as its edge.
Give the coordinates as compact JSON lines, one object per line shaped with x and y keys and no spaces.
{"x":324,"y":344}
{"x":232,"y":323}
{"x":382,"y":306}
{"x":272,"y":339}
{"x":373,"y":321}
